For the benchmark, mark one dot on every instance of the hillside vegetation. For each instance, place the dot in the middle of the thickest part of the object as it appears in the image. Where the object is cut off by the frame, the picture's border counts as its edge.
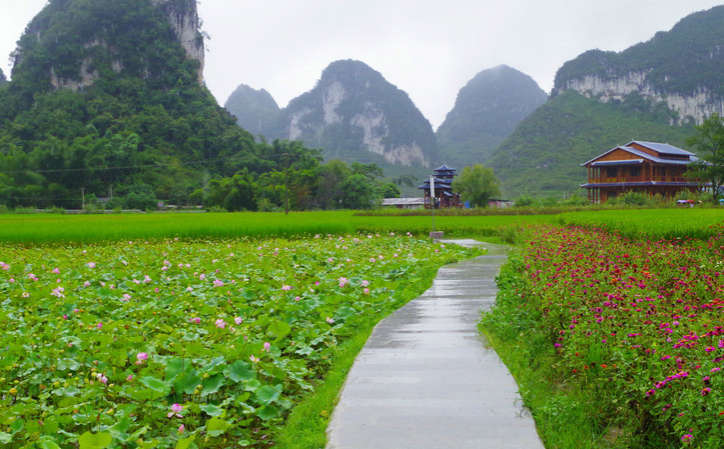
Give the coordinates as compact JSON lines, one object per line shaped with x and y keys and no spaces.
{"x":103,"y":97}
{"x":543,"y":156}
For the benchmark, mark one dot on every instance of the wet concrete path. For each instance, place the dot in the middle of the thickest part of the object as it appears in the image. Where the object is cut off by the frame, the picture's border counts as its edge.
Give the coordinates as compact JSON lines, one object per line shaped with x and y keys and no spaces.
{"x":425,"y":380}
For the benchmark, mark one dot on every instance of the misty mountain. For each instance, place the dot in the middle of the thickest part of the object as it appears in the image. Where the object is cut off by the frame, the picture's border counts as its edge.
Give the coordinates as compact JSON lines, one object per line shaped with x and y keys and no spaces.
{"x":487,"y":110}
{"x":355,"y":115}
{"x":255,"y":110}
{"x":652,"y":91}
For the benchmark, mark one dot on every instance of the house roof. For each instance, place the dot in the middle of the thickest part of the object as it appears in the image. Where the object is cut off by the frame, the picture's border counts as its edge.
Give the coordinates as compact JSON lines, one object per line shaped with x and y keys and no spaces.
{"x":644,"y":155}
{"x":618,"y":162}
{"x":663,"y":148}
{"x":403,"y":201}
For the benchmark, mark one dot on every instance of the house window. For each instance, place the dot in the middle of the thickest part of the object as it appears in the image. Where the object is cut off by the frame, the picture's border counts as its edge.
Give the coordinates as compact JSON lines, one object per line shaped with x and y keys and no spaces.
{"x":612,"y":172}
{"x":634,"y":172}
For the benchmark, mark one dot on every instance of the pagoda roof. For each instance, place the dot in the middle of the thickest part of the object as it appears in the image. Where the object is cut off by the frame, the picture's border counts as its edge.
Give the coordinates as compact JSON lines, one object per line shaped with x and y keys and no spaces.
{"x":444,"y":168}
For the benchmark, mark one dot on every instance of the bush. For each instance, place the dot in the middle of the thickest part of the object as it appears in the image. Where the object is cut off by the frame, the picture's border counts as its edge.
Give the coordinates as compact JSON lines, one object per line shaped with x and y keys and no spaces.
{"x":141,"y":197}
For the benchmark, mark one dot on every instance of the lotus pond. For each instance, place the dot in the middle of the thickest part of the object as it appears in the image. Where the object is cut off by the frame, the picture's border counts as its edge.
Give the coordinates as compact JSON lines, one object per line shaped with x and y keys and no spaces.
{"x":186,"y":344}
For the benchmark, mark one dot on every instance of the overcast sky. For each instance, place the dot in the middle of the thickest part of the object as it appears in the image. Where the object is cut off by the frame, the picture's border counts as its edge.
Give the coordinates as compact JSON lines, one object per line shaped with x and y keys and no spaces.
{"x":428,"y":48}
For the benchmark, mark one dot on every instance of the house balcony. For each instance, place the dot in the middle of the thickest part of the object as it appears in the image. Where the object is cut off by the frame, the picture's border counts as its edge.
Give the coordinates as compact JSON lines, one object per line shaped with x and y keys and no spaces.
{"x":639,"y":179}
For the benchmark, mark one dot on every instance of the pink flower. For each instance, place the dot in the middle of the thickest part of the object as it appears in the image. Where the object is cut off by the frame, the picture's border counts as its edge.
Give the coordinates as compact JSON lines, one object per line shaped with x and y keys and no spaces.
{"x":99,"y":325}
{"x":267,"y":345}
{"x":286,"y":287}
{"x":329,"y":320}
{"x":86,"y":284}
{"x":129,"y":378}
{"x":220,"y":323}
{"x":366,"y":291}
{"x":202,"y":276}
{"x":365,"y":283}
{"x":181,"y":428}
{"x":103,"y":379}
{"x":238,"y":320}
{"x":176,"y":410}
{"x":218,"y":283}
{"x":297,"y":298}
{"x":254,"y":359}
{"x":56,"y":270}
{"x":196,"y":320}
{"x":142,"y":357}
{"x":126,"y":297}
{"x":91,"y":264}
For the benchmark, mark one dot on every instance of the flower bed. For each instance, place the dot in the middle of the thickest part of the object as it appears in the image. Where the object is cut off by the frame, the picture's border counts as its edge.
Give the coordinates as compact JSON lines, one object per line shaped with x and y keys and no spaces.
{"x":638,"y":324}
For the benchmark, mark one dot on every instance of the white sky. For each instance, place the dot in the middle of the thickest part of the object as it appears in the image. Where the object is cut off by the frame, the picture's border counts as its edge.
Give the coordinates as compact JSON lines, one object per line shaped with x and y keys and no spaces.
{"x":428,"y":48}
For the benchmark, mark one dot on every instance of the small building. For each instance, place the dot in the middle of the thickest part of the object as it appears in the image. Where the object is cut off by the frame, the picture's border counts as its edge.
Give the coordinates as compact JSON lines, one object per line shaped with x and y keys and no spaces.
{"x":444,"y":195}
{"x":646,"y":167}
{"x":404,"y":203}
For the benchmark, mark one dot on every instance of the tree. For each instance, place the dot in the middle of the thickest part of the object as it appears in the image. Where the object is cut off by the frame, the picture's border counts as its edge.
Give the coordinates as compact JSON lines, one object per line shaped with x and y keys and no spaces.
{"x":477,"y":184}
{"x":709,"y":143}
{"x":140,"y":196}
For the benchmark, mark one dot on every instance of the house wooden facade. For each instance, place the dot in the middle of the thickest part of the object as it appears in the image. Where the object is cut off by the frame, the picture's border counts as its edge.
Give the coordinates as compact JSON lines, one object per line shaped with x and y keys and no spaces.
{"x":444,"y":195}
{"x":645,"y":167}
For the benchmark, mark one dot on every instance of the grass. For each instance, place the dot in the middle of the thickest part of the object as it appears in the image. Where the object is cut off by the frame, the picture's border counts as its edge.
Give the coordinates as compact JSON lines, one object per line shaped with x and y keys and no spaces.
{"x":651,"y":223}
{"x":64,"y":229}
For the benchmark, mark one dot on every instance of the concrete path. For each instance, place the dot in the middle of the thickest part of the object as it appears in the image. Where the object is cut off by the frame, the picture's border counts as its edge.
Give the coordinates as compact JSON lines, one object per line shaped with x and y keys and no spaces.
{"x":425,"y":380}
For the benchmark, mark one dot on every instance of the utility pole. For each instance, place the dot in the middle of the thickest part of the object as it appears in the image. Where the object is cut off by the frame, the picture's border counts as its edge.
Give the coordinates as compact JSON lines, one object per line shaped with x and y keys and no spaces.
{"x":82,"y":195}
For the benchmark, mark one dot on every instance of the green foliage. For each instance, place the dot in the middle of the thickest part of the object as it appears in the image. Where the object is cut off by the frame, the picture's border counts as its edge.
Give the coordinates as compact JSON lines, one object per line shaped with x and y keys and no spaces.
{"x":477,"y":184}
{"x":141,"y":197}
{"x":709,"y":144}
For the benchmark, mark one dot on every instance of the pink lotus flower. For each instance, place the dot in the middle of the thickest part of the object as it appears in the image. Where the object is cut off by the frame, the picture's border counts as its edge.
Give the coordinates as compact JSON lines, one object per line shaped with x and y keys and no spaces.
{"x":254,"y":359}
{"x":181,"y":428}
{"x":176,"y":409}
{"x":330,"y":320}
{"x":220,"y":323}
{"x":129,"y":378}
{"x":238,"y":320}
{"x":126,"y":297}
{"x":267,"y":346}
{"x":286,"y":287}
{"x":91,"y":264}
{"x":218,"y":283}
{"x":56,"y":270}
{"x":142,"y":357}
{"x":202,"y":276}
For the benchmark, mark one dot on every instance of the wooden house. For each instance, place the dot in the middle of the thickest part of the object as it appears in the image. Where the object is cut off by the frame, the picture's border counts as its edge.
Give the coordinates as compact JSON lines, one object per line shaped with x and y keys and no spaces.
{"x":645,"y":167}
{"x":444,"y":195}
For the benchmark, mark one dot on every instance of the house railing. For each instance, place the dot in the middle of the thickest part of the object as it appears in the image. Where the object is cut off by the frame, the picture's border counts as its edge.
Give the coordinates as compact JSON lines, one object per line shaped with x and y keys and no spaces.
{"x":619,"y":179}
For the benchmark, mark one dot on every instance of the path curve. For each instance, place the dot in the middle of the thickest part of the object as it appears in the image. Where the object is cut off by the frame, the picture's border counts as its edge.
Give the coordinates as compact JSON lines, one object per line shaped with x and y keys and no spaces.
{"x":425,"y":379}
